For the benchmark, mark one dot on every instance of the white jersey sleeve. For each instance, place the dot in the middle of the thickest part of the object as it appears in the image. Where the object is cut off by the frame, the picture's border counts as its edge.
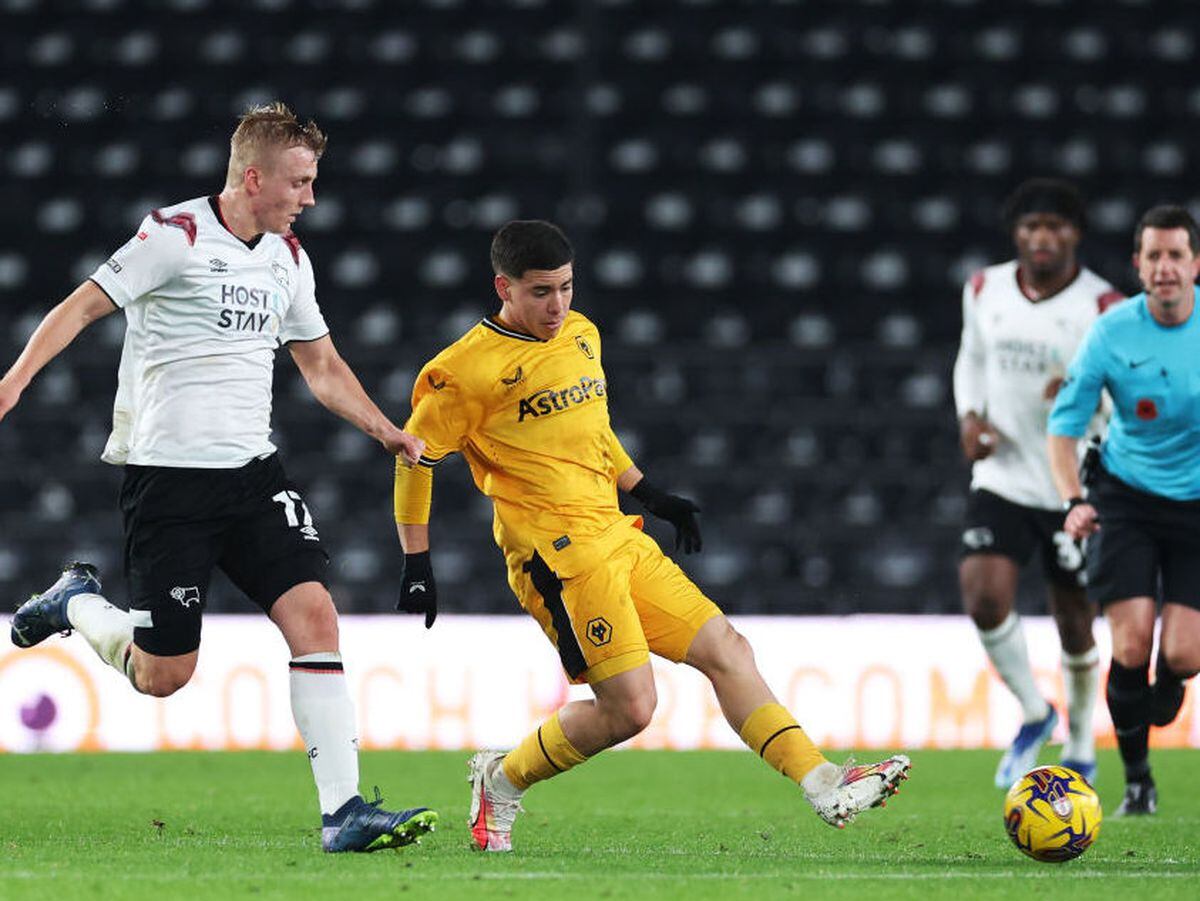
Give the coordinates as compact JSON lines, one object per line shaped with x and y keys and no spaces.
{"x":303,"y":321}
{"x":970,"y":367}
{"x":148,"y":260}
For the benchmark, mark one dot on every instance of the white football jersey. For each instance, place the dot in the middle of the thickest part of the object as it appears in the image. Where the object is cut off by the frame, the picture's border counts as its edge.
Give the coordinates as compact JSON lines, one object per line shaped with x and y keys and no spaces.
{"x":1014,"y":353}
{"x":204,"y":316}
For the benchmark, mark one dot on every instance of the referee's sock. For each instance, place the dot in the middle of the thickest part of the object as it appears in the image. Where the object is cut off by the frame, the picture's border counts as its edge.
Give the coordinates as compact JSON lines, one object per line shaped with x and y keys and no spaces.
{"x":543,"y":753}
{"x":1166,"y":697}
{"x":1128,"y":702}
{"x":324,"y":715}
{"x":108,"y":629}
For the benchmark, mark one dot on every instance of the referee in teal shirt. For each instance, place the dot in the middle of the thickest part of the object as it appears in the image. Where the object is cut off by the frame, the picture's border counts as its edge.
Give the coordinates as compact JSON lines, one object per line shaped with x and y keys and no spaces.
{"x":1142,"y":511}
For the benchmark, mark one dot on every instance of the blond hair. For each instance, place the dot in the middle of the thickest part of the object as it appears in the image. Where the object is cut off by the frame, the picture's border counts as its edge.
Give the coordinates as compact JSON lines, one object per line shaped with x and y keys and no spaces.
{"x":271,"y":126}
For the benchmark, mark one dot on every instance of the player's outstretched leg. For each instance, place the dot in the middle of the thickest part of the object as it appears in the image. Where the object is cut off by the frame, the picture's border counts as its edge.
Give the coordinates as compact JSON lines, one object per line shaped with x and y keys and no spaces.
{"x":74,"y":602}
{"x":360,"y":825}
{"x":495,"y":802}
{"x":837,"y":793}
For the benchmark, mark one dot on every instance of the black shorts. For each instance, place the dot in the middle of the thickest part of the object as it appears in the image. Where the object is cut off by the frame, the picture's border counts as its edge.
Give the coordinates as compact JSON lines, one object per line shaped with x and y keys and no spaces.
{"x":1146,"y":542}
{"x":179,"y":523}
{"x":995,"y":525}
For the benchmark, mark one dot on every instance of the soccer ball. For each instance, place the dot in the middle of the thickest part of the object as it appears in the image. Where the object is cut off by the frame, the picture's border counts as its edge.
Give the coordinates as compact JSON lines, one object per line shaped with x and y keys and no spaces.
{"x":1052,"y":814}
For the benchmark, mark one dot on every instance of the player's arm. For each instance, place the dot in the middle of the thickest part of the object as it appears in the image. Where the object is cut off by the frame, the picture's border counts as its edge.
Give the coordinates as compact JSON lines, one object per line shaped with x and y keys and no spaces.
{"x":976,"y":434}
{"x":59,"y":328}
{"x":334,"y":384}
{"x":678,"y":511}
{"x":412,"y":497}
{"x":443,"y":413}
{"x":1073,"y":409}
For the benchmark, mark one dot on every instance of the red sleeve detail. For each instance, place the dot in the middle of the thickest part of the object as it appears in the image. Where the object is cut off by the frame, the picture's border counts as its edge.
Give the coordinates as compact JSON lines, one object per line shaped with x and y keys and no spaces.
{"x":977,"y":282}
{"x":293,"y":244}
{"x":1108,"y":299}
{"x":185,"y":221}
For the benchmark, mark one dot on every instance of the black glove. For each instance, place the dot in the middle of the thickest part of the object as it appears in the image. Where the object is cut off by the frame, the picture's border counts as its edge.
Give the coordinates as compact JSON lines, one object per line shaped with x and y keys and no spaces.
{"x":418,"y":591}
{"x":678,"y":511}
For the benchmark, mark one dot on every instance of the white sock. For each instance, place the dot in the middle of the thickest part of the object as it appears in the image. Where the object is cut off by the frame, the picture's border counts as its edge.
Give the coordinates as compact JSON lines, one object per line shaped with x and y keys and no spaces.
{"x":324,"y":715}
{"x":821,"y":778}
{"x":108,"y":629}
{"x":1081,"y":672}
{"x":501,"y":781}
{"x":1005,"y":646}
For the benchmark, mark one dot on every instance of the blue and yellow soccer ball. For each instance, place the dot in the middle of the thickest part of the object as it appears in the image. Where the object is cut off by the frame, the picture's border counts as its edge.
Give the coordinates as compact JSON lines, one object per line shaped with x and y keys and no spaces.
{"x":1052,"y":814}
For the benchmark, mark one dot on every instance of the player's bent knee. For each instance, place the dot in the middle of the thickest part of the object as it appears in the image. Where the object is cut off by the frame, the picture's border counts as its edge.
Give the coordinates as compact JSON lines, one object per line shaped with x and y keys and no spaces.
{"x":308,"y":618}
{"x":985,"y":610}
{"x":160,"y":684}
{"x":322,"y":617}
{"x":1182,"y":661}
{"x":733,"y":653}
{"x":1131,"y":650}
{"x":719,"y":650}
{"x":632,"y":718}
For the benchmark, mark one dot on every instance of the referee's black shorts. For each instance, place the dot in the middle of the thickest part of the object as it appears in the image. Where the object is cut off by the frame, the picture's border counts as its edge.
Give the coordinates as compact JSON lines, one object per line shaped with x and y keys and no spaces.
{"x":180,"y":523}
{"x":1147,"y":545}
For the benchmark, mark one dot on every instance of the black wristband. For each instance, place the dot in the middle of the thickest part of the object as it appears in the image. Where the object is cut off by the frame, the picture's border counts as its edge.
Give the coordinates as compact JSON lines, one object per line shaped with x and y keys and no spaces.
{"x":1071,"y":503}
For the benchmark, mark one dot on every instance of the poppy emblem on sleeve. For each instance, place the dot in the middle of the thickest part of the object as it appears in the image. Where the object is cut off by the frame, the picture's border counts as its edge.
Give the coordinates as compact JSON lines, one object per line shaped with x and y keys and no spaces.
{"x":1146,"y":409}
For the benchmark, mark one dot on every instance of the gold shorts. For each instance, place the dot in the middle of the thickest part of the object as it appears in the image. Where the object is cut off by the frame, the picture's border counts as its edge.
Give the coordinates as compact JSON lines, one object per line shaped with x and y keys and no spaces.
{"x":606,"y":603}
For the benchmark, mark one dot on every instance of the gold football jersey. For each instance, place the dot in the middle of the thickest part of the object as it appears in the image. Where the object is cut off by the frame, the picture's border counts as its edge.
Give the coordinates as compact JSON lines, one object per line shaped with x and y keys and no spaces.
{"x":531,"y":419}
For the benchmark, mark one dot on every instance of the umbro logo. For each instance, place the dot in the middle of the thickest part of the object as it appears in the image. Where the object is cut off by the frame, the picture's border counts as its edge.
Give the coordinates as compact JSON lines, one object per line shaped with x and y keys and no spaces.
{"x":435,"y":384}
{"x":219,"y":267}
{"x":514,"y":378}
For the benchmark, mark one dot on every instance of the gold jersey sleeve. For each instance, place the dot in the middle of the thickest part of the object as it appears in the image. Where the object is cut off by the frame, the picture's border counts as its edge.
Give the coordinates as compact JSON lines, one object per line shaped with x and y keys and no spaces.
{"x":531,"y":419}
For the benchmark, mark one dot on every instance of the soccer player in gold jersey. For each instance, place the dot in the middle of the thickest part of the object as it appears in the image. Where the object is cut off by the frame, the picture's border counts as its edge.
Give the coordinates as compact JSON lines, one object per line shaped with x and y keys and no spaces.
{"x":522,"y":396}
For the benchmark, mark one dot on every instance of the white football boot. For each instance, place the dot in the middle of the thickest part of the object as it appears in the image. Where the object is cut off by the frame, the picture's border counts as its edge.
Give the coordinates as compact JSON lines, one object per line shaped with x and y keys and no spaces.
{"x":839,"y":793}
{"x":495,"y":802}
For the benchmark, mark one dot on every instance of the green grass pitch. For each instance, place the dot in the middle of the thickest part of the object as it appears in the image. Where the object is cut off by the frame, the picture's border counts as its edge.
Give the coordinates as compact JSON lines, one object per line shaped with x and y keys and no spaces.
{"x":632,"y":824}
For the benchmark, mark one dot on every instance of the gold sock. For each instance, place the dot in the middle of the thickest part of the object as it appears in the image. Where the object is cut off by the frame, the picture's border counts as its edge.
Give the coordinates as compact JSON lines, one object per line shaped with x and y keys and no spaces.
{"x":773,"y":733}
{"x":543,"y":753}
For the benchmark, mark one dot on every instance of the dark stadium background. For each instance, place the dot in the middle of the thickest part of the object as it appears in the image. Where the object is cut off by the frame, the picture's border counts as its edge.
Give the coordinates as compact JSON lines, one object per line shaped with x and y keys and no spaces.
{"x":774,"y":205}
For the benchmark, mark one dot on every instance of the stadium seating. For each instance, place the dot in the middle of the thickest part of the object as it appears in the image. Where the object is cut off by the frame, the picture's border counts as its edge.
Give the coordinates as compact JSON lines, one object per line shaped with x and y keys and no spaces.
{"x":774,"y":206}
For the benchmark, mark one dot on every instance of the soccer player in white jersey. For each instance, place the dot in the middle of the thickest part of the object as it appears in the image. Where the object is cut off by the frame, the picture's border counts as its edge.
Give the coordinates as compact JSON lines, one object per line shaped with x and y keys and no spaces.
{"x":1022,"y":321}
{"x":210,"y":288}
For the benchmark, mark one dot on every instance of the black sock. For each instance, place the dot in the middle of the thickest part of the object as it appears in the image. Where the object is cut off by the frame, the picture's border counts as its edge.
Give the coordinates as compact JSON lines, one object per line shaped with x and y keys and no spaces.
{"x":1128,"y":702}
{"x":1167,"y":693}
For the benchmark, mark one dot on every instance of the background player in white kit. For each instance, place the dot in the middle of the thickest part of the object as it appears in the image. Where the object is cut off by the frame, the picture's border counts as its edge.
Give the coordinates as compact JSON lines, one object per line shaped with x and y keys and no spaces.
{"x":211,"y":288}
{"x":1022,"y":321}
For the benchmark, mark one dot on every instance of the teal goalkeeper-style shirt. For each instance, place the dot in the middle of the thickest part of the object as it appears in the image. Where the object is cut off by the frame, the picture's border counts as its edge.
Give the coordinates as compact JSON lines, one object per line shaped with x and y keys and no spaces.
{"x":1152,"y":372}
